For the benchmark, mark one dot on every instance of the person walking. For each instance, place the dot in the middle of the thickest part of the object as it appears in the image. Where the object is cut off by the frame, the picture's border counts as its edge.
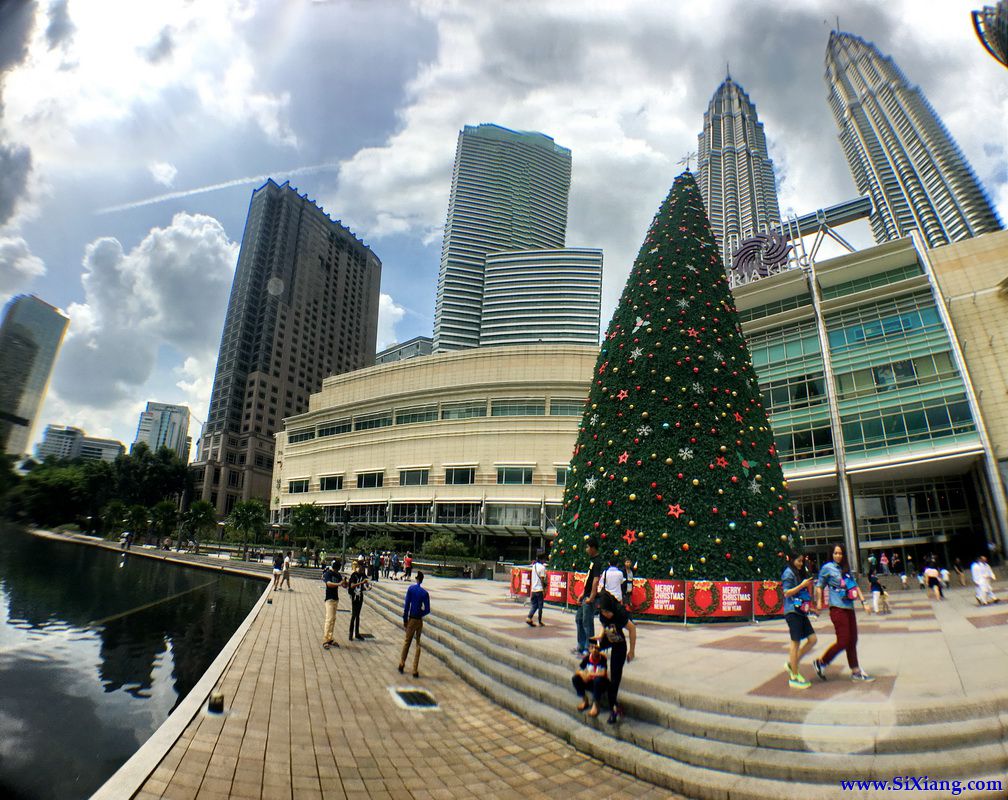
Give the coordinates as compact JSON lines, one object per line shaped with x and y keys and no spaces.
{"x":884,"y":563}
{"x":277,"y":569}
{"x":841,"y":592}
{"x":959,"y":571}
{"x":876,"y":591}
{"x":592,"y":676}
{"x":933,"y":578}
{"x":285,"y":576}
{"x":333,"y":579}
{"x":407,"y":566}
{"x":983,"y":577}
{"x":797,"y":606}
{"x":617,"y":631}
{"x":396,"y":566}
{"x":538,"y":590}
{"x":415,"y":608}
{"x":375,"y":566}
{"x":357,"y":584}
{"x":584,"y":618}
{"x":612,"y":578}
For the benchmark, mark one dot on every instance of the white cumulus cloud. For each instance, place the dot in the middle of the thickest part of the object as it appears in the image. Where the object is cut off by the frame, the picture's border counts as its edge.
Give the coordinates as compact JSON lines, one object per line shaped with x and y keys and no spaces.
{"x":18,"y":266}
{"x":163,"y":172}
{"x":389,"y":315}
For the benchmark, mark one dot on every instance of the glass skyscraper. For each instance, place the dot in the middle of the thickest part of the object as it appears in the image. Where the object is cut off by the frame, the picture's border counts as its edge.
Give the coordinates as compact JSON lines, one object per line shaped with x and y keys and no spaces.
{"x":509,"y":191}
{"x":164,"y":425}
{"x":898,"y":150}
{"x":30,"y":337}
{"x":735,"y":173}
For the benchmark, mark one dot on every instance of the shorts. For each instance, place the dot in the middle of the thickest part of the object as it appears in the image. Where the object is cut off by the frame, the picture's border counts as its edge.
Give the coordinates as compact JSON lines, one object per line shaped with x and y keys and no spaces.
{"x":799,"y":626}
{"x":932,"y":582}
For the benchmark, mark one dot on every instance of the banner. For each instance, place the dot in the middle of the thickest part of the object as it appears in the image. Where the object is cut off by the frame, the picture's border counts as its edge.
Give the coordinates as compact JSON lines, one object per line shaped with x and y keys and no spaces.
{"x":719,"y":599}
{"x":575,"y":586}
{"x":521,"y":581}
{"x":556,"y":586}
{"x":654,"y":598}
{"x":768,"y":598}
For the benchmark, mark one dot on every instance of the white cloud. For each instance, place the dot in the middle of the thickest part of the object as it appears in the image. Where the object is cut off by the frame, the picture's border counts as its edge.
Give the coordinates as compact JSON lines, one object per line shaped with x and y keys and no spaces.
{"x":389,"y":315}
{"x":163,"y":172}
{"x":18,"y":266}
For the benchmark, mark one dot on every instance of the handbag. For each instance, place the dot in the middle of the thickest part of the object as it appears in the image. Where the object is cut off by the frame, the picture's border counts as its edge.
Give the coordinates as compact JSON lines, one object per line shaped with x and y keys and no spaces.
{"x":851,"y":588}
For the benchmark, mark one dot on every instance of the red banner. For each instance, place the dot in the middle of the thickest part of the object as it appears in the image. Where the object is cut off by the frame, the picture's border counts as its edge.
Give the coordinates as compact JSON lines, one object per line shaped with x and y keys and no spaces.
{"x":556,"y":586}
{"x":521,"y":581}
{"x":575,"y":586}
{"x":768,"y":598}
{"x":719,"y":599}
{"x":660,"y":598}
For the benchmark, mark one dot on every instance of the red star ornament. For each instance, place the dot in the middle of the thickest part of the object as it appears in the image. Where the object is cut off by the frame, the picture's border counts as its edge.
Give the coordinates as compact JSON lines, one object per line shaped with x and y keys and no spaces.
{"x":693,"y":332}
{"x":623,"y":457}
{"x":630,"y":536}
{"x":622,"y":394}
{"x":738,"y":417}
{"x":721,"y":461}
{"x":676,"y":511}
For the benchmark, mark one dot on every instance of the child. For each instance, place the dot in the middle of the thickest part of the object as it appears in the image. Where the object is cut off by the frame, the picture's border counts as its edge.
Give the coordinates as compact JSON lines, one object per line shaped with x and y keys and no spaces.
{"x":876,"y":591}
{"x":593,"y":676}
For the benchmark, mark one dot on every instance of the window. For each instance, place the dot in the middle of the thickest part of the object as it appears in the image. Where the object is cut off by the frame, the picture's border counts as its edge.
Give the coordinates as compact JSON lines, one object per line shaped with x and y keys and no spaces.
{"x":302,"y":435}
{"x":334,"y":428}
{"x":517,"y":408}
{"x":457,"y":513}
{"x":370,"y":480}
{"x":514,"y":475}
{"x":368,"y":421}
{"x":456,"y":476}
{"x":408,"y":416}
{"x":566,"y":408}
{"x":331,"y":483}
{"x":524,"y":516}
{"x":299,"y":486}
{"x":561,"y":475}
{"x":413,"y":477}
{"x":411,"y":512}
{"x":463,"y":410}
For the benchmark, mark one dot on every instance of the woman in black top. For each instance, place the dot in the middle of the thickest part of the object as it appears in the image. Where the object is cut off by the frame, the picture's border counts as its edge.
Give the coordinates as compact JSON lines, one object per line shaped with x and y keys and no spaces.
{"x":617,"y":629}
{"x":357,"y":584}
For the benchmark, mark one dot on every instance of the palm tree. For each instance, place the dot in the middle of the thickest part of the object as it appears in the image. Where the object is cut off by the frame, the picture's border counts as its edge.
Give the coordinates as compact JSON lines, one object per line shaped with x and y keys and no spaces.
{"x":200,"y":519}
{"x":164,"y":518}
{"x":136,"y":519}
{"x":248,"y":518}
{"x":114,"y":517}
{"x":308,"y":520}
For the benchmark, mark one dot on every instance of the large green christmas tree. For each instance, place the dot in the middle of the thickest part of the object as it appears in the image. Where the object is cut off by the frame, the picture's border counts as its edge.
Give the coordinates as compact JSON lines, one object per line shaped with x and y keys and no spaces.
{"x":675,"y":465}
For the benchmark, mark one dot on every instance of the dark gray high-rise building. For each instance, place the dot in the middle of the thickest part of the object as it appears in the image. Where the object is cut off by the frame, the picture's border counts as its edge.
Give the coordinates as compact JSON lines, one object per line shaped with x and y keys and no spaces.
{"x":991,"y":25}
{"x":304,"y":305}
{"x":30,"y":337}
{"x":898,"y":150}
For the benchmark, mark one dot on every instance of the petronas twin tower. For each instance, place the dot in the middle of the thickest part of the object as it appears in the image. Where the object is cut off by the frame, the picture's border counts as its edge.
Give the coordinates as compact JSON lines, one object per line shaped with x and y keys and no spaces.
{"x":899,"y":153}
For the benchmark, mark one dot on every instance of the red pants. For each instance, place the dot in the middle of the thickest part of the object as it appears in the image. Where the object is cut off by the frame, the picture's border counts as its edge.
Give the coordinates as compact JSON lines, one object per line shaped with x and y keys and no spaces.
{"x":845,"y":625}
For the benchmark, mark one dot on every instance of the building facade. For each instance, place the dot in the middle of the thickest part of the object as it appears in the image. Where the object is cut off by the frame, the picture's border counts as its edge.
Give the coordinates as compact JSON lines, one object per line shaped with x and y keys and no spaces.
{"x":509,"y":191}
{"x":991,"y":25}
{"x":898,"y":150}
{"x":164,"y":425}
{"x":734,"y":170}
{"x":411,"y":348}
{"x":30,"y":337}
{"x":877,"y":421}
{"x":532,"y":296}
{"x":303,"y":305}
{"x":66,"y":442}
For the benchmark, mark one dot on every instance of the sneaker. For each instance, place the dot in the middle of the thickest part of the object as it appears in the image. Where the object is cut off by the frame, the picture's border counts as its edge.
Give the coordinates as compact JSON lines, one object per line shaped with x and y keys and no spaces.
{"x":799,"y":682}
{"x":529,"y":622}
{"x":615,"y":716}
{"x":820,"y":669}
{"x":542,"y":624}
{"x":416,"y":674}
{"x":862,"y":676}
{"x":400,"y":669}
{"x":787,"y":667}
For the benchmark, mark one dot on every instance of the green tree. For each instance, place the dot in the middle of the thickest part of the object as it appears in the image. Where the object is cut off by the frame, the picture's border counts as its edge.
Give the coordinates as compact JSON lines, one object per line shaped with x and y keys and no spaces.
{"x":165,"y":517}
{"x":113,"y":517}
{"x":308,"y":522}
{"x":675,"y":465}
{"x":199,"y":520}
{"x":444,"y":545}
{"x":378,"y":543}
{"x":146,"y":478}
{"x":137,"y":520}
{"x":248,"y":519}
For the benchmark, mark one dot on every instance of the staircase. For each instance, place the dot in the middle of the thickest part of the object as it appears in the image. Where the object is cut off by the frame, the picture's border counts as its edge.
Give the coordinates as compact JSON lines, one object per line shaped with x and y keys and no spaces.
{"x":727,"y":748}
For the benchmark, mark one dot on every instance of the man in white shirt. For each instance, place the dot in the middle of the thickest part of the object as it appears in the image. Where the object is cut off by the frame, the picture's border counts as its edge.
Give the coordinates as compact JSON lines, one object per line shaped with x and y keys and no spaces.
{"x":612,"y":579}
{"x":983,"y":577}
{"x":538,"y":589}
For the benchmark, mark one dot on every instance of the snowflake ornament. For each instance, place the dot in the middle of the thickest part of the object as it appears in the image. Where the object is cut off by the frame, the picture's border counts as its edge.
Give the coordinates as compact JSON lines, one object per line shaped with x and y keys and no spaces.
{"x":636,"y":353}
{"x":686,"y":453}
{"x":697,"y":388}
{"x":754,"y":487}
{"x":683,"y":303}
{"x":718,"y":355}
{"x":644,"y":430}
{"x":589,"y":484}
{"x":593,"y":419}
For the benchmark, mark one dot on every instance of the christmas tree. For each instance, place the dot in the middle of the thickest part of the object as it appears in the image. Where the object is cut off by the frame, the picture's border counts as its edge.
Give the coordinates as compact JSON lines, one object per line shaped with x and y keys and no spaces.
{"x":675,"y":465}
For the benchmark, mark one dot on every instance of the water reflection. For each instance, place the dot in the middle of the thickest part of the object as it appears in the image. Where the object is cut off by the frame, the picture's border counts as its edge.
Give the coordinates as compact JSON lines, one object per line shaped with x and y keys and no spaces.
{"x":95,"y":652}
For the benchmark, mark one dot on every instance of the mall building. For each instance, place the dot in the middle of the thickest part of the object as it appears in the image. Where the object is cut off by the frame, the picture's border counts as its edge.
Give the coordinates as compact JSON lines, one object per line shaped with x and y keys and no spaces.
{"x":883,"y":372}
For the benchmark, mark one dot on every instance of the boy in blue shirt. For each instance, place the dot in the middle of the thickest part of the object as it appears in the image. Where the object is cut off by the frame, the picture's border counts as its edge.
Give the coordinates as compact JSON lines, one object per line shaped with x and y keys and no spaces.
{"x":415,"y":608}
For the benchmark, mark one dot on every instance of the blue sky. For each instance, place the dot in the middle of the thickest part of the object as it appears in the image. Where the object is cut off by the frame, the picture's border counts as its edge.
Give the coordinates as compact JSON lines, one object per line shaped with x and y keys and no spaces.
{"x":107,"y":105}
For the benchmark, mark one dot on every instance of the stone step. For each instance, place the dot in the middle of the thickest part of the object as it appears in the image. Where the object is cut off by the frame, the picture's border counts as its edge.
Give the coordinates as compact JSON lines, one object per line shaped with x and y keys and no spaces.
{"x":760,"y":749}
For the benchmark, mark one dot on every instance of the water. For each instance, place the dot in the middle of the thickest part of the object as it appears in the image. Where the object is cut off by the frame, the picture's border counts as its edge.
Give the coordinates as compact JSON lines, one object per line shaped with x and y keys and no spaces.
{"x":95,"y":654}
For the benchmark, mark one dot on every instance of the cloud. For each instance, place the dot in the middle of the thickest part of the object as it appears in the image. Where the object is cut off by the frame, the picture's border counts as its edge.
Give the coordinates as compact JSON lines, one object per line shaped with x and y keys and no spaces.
{"x":161,"y":48}
{"x":60,"y":29}
{"x":163,"y":172}
{"x":16,"y":21}
{"x":389,"y":315}
{"x":170,"y":290}
{"x":18,"y":266}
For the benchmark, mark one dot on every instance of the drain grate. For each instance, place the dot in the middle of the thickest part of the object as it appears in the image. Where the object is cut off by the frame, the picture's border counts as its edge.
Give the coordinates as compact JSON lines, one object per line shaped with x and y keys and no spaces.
{"x":414,"y":699}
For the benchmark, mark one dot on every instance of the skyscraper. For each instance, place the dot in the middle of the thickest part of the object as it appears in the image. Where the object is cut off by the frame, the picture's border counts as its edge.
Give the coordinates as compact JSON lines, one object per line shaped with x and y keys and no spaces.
{"x":898,"y":150}
{"x":30,"y":337}
{"x":509,"y":192}
{"x":164,"y":425}
{"x":304,"y":305}
{"x":736,"y":175}
{"x":991,"y":25}
{"x":532,"y":296}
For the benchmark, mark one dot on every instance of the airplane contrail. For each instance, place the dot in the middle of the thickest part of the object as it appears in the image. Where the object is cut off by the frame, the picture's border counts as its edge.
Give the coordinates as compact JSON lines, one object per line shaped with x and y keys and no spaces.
{"x":217,"y":186}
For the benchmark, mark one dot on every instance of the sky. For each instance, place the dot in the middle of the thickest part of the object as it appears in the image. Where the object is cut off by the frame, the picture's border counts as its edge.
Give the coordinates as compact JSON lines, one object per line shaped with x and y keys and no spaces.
{"x":133,"y":134}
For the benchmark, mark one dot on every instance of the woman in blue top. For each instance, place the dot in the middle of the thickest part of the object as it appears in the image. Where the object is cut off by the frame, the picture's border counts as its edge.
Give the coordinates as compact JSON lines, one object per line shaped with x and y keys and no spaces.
{"x":797,"y":604}
{"x":842,"y":592}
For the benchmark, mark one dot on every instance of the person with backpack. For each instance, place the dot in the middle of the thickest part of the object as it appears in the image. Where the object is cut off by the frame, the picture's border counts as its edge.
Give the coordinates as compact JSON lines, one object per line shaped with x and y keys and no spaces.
{"x":838,"y":589}
{"x":357,"y":584}
{"x":797,"y":607}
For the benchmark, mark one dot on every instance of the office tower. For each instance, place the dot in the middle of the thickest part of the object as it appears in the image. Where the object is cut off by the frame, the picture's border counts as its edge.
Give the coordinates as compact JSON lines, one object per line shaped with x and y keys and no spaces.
{"x":304,"y":305}
{"x":67,"y":442}
{"x":164,"y":425}
{"x":898,"y":150}
{"x":736,"y":175}
{"x":991,"y":24}
{"x":411,"y":348}
{"x":509,"y":192}
{"x":30,"y":337}
{"x":532,"y":296}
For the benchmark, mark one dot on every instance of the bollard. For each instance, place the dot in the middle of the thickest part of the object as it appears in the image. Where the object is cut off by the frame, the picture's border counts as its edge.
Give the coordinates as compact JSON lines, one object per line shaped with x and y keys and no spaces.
{"x":215,"y":705}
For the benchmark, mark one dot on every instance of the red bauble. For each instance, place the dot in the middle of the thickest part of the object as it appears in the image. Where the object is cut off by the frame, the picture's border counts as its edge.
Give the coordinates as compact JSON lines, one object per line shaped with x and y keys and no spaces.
{"x":728,"y":556}
{"x":685,"y":546}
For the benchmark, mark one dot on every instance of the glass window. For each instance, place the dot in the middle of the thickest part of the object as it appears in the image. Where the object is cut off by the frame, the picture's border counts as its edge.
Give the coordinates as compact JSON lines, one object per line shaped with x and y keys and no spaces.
{"x":411,"y":512}
{"x":457,"y":476}
{"x":302,"y":435}
{"x":514,"y":475}
{"x":457,"y":513}
{"x":370,"y":480}
{"x":519,"y":516}
{"x":297,"y":487}
{"x":561,"y":475}
{"x":463,"y":410}
{"x":370,"y":421}
{"x":517,"y":408}
{"x":566,"y":408}
{"x":413,"y":477}
{"x":408,"y":416}
{"x":331,"y":483}
{"x":334,"y":428}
